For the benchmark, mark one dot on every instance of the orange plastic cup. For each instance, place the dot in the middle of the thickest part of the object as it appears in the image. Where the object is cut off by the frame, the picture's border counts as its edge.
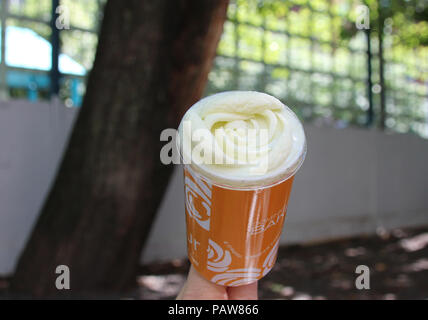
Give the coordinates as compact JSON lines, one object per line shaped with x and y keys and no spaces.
{"x":233,"y":234}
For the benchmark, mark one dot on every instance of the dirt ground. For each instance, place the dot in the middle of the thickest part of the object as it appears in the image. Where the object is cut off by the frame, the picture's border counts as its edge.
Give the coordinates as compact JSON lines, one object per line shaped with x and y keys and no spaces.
{"x":398,"y":263}
{"x":397,"y":260}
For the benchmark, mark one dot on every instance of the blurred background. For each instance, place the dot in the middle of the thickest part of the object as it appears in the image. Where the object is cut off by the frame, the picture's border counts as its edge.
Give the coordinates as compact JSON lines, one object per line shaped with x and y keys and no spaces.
{"x":355,"y":72}
{"x":308,"y":54}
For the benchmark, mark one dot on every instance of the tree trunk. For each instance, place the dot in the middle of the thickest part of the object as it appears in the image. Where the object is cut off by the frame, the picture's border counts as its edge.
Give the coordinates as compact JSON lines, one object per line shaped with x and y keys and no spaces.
{"x":151,"y":64}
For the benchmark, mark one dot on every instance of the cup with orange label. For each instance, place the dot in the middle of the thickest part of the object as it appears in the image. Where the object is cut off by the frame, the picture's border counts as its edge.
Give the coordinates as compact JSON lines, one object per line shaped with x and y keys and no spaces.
{"x":241,"y":150}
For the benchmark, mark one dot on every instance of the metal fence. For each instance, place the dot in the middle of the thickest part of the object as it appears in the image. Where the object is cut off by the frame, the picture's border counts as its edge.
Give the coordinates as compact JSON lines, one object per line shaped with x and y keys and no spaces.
{"x":77,"y":38}
{"x":301,"y":56}
{"x":406,"y":83}
{"x":295,"y":50}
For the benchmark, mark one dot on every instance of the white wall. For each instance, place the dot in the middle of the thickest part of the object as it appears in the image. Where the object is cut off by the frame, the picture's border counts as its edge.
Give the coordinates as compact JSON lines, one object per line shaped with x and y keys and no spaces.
{"x":352,"y":182}
{"x":32,"y":136}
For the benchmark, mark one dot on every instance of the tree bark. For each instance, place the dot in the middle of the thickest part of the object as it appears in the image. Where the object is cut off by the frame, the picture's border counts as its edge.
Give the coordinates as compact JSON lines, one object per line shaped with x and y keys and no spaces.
{"x":152,"y":63}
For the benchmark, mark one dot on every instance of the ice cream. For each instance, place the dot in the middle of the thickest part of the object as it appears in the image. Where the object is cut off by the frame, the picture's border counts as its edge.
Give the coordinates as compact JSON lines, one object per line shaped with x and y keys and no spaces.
{"x":241,"y":150}
{"x":242,"y":139}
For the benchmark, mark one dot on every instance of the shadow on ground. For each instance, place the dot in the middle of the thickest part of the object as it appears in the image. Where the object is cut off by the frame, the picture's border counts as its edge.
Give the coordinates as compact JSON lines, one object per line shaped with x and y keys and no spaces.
{"x":398,"y":263}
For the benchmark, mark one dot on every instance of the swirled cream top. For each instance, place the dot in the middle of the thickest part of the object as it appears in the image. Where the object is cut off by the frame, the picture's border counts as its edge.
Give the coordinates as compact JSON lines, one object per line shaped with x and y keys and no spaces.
{"x":242,"y":139}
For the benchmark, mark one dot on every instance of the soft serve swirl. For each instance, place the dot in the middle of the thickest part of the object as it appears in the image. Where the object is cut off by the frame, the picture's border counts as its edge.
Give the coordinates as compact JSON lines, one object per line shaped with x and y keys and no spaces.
{"x":242,"y":138}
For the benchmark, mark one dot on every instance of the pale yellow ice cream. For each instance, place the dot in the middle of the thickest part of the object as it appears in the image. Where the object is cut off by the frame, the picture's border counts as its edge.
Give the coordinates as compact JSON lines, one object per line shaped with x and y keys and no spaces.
{"x":242,"y":139}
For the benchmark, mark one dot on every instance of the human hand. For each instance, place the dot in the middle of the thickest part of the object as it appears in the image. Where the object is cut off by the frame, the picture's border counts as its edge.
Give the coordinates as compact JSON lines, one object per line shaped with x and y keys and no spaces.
{"x":198,"y":288}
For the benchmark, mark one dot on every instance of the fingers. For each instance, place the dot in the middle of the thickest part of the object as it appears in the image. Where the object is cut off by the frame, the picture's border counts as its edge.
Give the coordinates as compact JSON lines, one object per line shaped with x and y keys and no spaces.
{"x":246,"y":292}
{"x":198,"y":288}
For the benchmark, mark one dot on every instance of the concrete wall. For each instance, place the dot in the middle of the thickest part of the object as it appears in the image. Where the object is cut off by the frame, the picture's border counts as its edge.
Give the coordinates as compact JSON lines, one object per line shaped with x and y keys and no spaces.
{"x":353,"y":181}
{"x":32,"y":137}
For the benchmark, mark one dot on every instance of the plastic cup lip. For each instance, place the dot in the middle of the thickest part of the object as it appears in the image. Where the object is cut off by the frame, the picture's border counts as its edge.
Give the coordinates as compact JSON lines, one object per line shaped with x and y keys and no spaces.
{"x":281,"y":178}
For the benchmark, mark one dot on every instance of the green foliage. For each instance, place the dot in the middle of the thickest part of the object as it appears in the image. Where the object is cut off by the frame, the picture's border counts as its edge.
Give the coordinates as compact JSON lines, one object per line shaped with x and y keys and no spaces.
{"x":307,"y":53}
{"x":311,"y":55}
{"x":407,"y":20}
